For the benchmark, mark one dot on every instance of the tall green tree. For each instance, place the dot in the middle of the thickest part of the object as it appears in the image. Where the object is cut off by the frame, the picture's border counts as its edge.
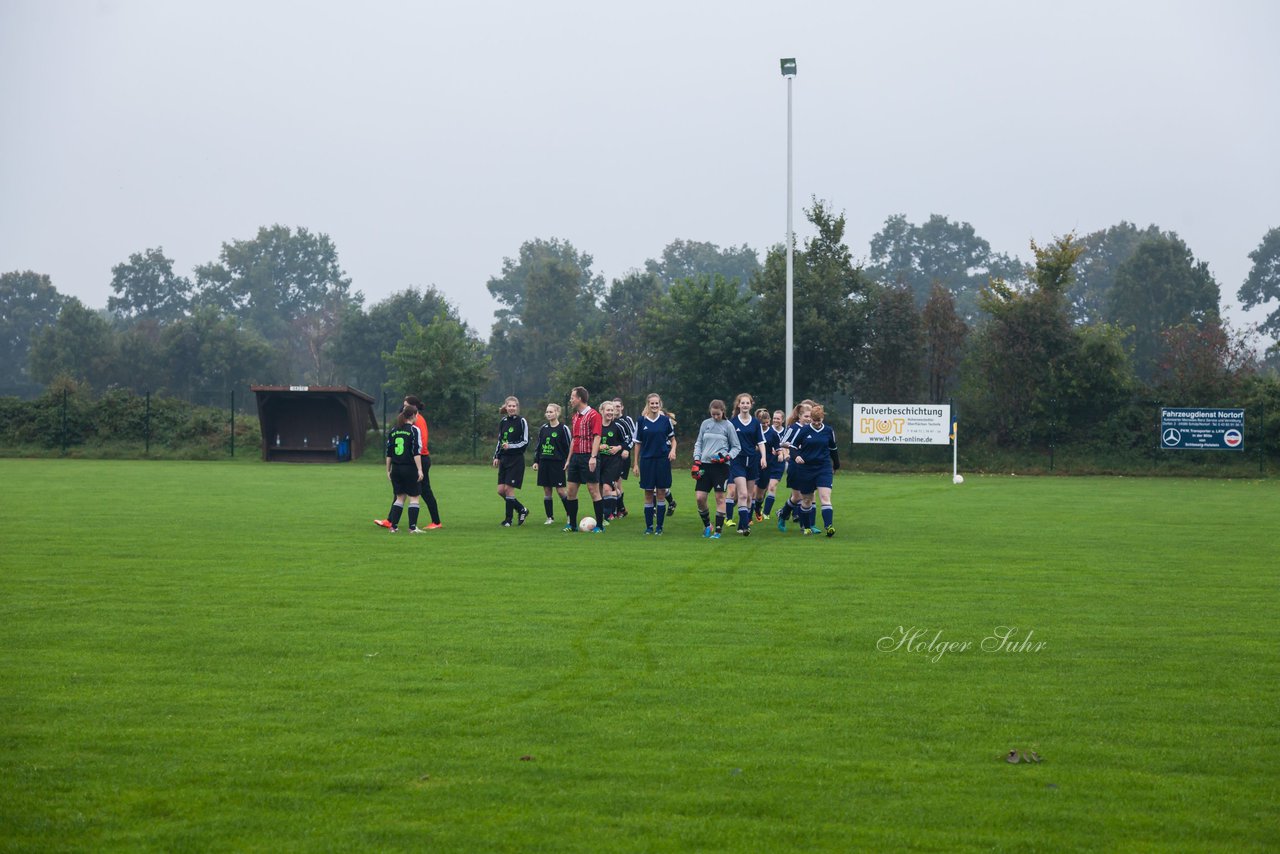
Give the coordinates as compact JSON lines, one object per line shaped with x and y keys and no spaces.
{"x":286,"y":285}
{"x":1262,"y":287}
{"x":708,"y":334}
{"x":209,"y":354}
{"x":893,"y":360}
{"x":145,"y":287}
{"x":443,"y":362}
{"x":1095,"y":272}
{"x":29,"y":303}
{"x":687,"y":259}
{"x":1029,"y":370}
{"x":1203,"y":364}
{"x":79,"y":344}
{"x":1161,"y":286}
{"x":625,"y":306}
{"x":831,"y":300}
{"x":356,"y":350}
{"x":548,"y":294}
{"x":945,"y":335}
{"x":594,"y":363}
{"x":938,"y":251}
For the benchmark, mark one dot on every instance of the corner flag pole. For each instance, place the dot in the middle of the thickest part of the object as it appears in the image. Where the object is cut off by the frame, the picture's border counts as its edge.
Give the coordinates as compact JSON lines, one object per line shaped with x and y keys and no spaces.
{"x":955,"y":445}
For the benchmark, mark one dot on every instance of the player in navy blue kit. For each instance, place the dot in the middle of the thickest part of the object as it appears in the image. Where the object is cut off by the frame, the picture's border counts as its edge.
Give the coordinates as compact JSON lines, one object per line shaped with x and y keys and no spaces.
{"x":549,"y":459}
{"x":813,"y":448}
{"x":799,"y":417}
{"x":653,"y":454}
{"x":744,"y":470}
{"x":772,"y":473}
{"x":508,"y":459}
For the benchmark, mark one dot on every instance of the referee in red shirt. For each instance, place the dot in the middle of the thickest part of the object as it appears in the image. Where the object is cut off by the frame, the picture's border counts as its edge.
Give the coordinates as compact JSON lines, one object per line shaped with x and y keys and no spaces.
{"x":583,"y":459}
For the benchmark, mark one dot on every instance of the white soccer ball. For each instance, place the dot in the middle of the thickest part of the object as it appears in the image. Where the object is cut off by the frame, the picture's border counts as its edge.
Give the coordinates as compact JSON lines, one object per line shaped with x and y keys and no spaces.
{"x":958,"y":479}
{"x":587,"y":525}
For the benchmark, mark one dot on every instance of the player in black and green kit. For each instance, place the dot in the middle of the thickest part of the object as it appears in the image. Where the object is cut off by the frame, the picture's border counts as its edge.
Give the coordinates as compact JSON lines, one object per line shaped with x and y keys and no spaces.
{"x":508,"y":459}
{"x":613,"y":458}
{"x":404,"y":470}
{"x":550,"y":457}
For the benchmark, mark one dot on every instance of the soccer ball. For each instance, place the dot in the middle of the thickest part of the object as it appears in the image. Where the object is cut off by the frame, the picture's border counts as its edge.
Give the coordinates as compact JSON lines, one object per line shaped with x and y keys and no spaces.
{"x":958,"y":479}
{"x":587,"y":525}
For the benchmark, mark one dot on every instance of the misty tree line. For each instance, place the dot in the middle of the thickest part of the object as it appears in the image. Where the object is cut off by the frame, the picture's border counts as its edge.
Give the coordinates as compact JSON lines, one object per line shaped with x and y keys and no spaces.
{"x":1070,"y":340}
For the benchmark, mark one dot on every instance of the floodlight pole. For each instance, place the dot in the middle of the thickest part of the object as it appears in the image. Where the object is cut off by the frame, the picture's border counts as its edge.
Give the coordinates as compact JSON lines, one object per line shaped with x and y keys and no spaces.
{"x":789,"y":72}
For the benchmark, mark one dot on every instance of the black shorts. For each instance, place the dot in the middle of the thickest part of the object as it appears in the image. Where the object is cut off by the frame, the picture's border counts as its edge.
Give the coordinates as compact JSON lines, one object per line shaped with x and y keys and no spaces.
{"x":713,"y":477}
{"x":579,"y":470}
{"x":551,"y":473}
{"x":404,"y":480}
{"x":511,"y":471}
{"x":611,"y":468}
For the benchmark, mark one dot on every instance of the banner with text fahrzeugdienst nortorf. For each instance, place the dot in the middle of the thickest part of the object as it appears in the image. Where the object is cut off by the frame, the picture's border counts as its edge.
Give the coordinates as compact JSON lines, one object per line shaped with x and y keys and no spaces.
{"x":902,"y":423}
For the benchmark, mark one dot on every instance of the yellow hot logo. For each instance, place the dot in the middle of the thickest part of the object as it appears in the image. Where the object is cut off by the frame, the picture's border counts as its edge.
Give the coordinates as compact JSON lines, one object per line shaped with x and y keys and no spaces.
{"x":883,"y":426}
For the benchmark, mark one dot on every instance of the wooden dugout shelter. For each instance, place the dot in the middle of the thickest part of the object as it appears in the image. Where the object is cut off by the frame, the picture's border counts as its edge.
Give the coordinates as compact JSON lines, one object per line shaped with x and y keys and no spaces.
{"x":310,"y":424}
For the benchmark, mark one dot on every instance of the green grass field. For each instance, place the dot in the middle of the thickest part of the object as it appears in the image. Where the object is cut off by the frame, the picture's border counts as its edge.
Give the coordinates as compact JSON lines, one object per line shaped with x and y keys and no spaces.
{"x":230,"y":656}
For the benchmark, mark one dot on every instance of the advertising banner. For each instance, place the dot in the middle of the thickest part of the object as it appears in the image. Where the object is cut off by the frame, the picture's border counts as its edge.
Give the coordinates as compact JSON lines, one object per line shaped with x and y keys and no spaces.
{"x":1202,"y":429}
{"x":902,"y":423}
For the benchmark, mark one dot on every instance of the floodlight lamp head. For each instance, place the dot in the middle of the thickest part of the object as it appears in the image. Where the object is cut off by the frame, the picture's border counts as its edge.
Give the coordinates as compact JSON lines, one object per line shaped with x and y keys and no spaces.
{"x":789,"y":67}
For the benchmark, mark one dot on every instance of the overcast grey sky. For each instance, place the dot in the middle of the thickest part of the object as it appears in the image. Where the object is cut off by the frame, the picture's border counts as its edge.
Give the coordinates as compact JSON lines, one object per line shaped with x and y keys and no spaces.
{"x":429,"y":140}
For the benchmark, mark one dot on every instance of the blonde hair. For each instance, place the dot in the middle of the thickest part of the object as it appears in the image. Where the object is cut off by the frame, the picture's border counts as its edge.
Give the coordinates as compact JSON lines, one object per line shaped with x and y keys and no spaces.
{"x":557,"y":408}
{"x":798,"y":411}
{"x":762,"y":411}
{"x":502,"y":410}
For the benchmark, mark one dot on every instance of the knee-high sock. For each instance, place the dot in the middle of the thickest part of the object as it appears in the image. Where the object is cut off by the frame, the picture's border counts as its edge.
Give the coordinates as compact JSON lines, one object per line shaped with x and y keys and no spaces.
{"x":394,"y":515}
{"x":413,"y":513}
{"x":660,"y":510}
{"x":549,"y":506}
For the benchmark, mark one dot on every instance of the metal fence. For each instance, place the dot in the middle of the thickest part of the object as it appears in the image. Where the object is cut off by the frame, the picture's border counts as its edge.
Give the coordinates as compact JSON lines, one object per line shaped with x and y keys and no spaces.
{"x":69,"y":421}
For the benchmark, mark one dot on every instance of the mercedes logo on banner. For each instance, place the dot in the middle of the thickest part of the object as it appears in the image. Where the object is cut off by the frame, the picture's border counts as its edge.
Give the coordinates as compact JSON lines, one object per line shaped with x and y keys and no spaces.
{"x":1172,"y":436}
